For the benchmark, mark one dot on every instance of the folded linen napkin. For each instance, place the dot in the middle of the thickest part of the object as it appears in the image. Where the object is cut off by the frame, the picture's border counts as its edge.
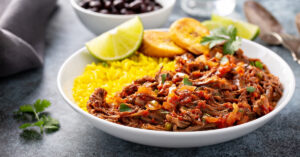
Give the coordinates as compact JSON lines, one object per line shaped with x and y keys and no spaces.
{"x":22,"y":32}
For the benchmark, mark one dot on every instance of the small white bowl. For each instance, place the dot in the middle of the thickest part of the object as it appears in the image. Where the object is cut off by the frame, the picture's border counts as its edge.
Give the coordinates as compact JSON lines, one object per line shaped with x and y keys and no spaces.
{"x":74,"y":66}
{"x":99,"y":22}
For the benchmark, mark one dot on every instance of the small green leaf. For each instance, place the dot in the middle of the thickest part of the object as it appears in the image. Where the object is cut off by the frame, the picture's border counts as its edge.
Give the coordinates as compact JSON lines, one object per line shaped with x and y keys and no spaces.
{"x":26,"y":108}
{"x":224,"y":60}
{"x":124,"y":108}
{"x":232,"y":45}
{"x":228,"y":48}
{"x":206,"y":67}
{"x":231,"y":31}
{"x":219,"y":31}
{"x":39,"y":123}
{"x":41,"y":105}
{"x":186,"y":81}
{"x":49,"y":121}
{"x":25,"y":125}
{"x":163,"y":78}
{"x":104,"y":64}
{"x":212,"y":40}
{"x":164,"y":111}
{"x":259,"y":64}
{"x":250,"y":89}
{"x":52,"y":127}
{"x":228,"y":36}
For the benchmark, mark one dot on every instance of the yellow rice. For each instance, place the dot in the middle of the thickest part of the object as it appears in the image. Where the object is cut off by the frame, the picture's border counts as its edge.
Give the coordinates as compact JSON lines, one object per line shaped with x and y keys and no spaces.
{"x":115,"y":75}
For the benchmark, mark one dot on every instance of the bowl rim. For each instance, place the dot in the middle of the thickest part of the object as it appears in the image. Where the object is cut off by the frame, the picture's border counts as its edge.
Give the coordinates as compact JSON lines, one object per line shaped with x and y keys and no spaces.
{"x":151,"y":13}
{"x":192,"y":133}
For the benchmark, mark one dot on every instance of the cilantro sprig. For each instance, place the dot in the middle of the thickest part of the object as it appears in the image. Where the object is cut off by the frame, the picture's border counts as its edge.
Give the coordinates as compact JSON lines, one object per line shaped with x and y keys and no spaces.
{"x":124,"y":108}
{"x":187,"y":82}
{"x":44,"y":122}
{"x":228,"y":36}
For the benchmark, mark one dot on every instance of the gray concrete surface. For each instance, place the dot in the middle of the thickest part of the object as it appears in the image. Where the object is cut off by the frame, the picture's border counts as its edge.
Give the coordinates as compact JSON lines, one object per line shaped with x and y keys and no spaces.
{"x":280,"y":137}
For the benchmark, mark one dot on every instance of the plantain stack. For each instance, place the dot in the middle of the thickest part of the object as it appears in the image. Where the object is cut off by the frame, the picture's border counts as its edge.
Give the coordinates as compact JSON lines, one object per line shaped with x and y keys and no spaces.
{"x":187,"y":33}
{"x":184,"y":35}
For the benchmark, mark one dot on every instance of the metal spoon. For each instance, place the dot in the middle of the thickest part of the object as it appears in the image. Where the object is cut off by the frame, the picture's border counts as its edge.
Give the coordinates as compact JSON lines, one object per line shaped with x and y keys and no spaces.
{"x":271,"y":30}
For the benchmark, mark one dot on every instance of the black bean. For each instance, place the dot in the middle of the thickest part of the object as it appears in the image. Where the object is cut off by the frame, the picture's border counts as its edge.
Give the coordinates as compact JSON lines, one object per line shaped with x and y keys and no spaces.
{"x":84,"y":4}
{"x":104,"y":11}
{"x":95,"y":4}
{"x":135,"y":5}
{"x":150,"y":8}
{"x":119,"y":4}
{"x":143,"y":8}
{"x":114,"y":10}
{"x":125,"y":11}
{"x":107,"y":4}
{"x":93,"y":9}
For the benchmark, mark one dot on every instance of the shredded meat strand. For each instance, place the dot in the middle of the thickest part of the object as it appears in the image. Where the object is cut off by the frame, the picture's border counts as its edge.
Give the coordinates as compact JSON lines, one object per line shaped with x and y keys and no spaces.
{"x":218,"y":97}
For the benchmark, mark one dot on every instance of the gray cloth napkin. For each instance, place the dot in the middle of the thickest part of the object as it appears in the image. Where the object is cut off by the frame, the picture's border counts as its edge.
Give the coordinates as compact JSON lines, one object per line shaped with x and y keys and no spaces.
{"x":22,"y":32}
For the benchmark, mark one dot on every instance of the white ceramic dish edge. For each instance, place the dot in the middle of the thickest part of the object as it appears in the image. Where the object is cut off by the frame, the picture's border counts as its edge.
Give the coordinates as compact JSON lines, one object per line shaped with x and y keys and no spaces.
{"x":180,"y":139}
{"x":99,"y":23}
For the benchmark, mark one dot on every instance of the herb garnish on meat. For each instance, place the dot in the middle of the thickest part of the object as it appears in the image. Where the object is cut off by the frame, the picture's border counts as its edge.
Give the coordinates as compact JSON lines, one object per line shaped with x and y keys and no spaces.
{"x":228,"y":36}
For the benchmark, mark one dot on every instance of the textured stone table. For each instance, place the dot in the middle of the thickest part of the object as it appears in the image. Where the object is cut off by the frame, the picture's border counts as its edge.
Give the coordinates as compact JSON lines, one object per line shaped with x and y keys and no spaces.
{"x":280,"y":137}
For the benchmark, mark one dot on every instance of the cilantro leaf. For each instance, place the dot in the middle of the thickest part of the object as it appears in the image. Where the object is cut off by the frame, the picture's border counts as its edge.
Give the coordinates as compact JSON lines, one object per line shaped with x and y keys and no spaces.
{"x":228,"y":36}
{"x":26,"y":108}
{"x":212,"y":41}
{"x":250,"y":89}
{"x":224,"y":60}
{"x":25,"y":125}
{"x":104,"y":64}
{"x":124,"y":108}
{"x":44,"y":122}
{"x":40,"y":125}
{"x":186,"y":81}
{"x":41,"y":105}
{"x":50,"y":123}
{"x":259,"y":64}
{"x":231,"y":32}
{"x":163,"y":78}
{"x":220,"y":31}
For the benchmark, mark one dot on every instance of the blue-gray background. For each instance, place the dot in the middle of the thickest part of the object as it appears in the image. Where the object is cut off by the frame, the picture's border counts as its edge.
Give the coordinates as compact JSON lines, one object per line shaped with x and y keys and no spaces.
{"x":280,"y":137}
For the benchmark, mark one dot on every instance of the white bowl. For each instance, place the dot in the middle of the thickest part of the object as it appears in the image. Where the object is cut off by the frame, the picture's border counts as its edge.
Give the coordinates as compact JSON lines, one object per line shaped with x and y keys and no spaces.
{"x":99,"y":23}
{"x":74,"y":66}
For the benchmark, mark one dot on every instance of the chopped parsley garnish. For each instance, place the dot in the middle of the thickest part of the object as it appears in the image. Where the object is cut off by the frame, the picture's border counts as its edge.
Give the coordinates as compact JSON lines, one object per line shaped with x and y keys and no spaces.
{"x":224,"y":60}
{"x":228,"y":36}
{"x":164,"y":111}
{"x":104,"y":64}
{"x":186,"y":81}
{"x":250,"y":89}
{"x":259,"y":64}
{"x":163,"y":78}
{"x":124,"y":108}
{"x":206,"y":67}
{"x":41,"y":120}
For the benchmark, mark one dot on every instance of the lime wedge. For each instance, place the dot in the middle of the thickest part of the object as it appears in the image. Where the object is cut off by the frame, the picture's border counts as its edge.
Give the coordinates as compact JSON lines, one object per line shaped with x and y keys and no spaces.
{"x":211,"y":25}
{"x":244,"y":29}
{"x":119,"y":42}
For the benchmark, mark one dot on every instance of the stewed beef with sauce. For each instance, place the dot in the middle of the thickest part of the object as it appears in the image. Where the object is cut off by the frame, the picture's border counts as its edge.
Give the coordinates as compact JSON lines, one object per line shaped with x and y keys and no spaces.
{"x":204,"y":92}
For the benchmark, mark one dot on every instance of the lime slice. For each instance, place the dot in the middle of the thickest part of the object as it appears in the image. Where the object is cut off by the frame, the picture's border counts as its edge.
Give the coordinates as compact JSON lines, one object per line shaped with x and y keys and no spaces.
{"x":244,"y":29}
{"x":119,"y":42}
{"x":211,"y":25}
